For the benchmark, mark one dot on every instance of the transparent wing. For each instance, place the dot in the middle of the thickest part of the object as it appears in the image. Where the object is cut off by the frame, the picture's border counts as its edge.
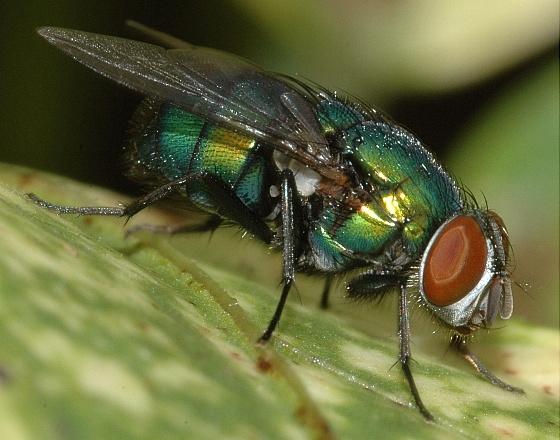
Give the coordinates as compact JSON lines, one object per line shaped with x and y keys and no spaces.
{"x":212,"y":84}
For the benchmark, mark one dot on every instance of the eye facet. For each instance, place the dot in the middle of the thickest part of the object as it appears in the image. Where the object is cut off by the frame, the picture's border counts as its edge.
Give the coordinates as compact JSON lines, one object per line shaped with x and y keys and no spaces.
{"x":455,"y":262}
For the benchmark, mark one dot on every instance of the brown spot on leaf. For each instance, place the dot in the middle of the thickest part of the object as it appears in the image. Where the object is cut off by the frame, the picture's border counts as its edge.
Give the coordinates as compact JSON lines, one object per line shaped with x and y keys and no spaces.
{"x":70,"y":249}
{"x":264,"y":365}
{"x":144,"y":326}
{"x":548,"y":390}
{"x":511,"y":371}
{"x":317,"y":424}
{"x":26,"y":179}
{"x":155,"y":305}
{"x":503,"y":431}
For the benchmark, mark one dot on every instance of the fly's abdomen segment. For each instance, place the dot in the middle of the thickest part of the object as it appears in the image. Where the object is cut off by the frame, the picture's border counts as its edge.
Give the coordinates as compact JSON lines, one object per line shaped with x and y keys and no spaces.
{"x":169,"y":143}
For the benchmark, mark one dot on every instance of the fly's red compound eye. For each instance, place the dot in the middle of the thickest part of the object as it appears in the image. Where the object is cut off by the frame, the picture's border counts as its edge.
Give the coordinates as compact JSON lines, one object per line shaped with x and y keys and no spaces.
{"x":455,"y":262}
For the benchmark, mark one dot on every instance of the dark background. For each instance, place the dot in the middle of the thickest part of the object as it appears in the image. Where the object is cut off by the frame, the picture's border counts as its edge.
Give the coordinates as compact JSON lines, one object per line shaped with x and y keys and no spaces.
{"x":436,"y":71}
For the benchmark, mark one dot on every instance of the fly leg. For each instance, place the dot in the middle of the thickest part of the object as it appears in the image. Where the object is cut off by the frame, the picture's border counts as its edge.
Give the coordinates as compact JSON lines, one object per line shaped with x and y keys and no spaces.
{"x":324,"y":304}
{"x":227,"y":204}
{"x":117,"y":211}
{"x":291,"y":225}
{"x":460,"y":345}
{"x":405,"y":356}
{"x":372,"y":286}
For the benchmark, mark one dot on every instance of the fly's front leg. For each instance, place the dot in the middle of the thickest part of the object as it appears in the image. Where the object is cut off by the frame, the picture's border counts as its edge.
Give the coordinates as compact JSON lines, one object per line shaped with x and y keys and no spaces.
{"x":116,"y":211}
{"x":460,"y":345}
{"x":292,"y":226}
{"x":405,"y":356}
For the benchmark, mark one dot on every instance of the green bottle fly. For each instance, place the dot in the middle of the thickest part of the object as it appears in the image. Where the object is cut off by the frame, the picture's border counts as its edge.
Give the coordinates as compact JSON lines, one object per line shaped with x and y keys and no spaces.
{"x":333,"y":184}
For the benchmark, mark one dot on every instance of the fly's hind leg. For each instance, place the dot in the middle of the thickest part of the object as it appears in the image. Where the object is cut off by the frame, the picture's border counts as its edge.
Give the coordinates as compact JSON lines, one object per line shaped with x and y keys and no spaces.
{"x":292,"y":227}
{"x":116,"y":211}
{"x":227,"y":205}
{"x":460,"y":345}
{"x":226,"y":202}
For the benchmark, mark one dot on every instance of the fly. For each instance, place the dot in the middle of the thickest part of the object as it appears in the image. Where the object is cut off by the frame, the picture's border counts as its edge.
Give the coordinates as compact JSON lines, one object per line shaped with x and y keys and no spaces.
{"x":333,"y":184}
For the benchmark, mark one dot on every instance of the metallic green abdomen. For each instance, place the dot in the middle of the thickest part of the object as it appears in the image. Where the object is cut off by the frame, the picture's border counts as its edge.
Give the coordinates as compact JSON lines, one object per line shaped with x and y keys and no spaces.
{"x":170,"y":143}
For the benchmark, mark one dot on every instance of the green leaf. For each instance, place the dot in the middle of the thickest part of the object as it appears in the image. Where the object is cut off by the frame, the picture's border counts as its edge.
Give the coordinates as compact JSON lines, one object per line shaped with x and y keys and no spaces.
{"x":103,"y":337}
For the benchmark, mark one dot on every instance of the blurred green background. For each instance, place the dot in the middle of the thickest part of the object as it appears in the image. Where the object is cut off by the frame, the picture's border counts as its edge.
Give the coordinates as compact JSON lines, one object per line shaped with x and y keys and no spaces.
{"x":477,"y":81}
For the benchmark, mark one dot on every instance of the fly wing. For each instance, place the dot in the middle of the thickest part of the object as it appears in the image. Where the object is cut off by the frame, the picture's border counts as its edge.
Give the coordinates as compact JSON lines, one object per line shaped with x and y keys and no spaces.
{"x":212,"y":84}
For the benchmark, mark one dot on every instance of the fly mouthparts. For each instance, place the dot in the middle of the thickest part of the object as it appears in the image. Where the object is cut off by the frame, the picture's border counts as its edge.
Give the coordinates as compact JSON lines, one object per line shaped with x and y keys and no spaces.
{"x":506,"y":300}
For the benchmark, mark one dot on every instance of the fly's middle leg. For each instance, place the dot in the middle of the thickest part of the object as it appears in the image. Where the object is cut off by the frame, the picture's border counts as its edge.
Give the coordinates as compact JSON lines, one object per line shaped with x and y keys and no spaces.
{"x":292,"y":227}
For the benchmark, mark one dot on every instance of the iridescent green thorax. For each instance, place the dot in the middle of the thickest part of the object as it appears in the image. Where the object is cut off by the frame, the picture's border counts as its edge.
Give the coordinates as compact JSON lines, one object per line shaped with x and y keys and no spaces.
{"x":412,"y":188}
{"x":411,"y":195}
